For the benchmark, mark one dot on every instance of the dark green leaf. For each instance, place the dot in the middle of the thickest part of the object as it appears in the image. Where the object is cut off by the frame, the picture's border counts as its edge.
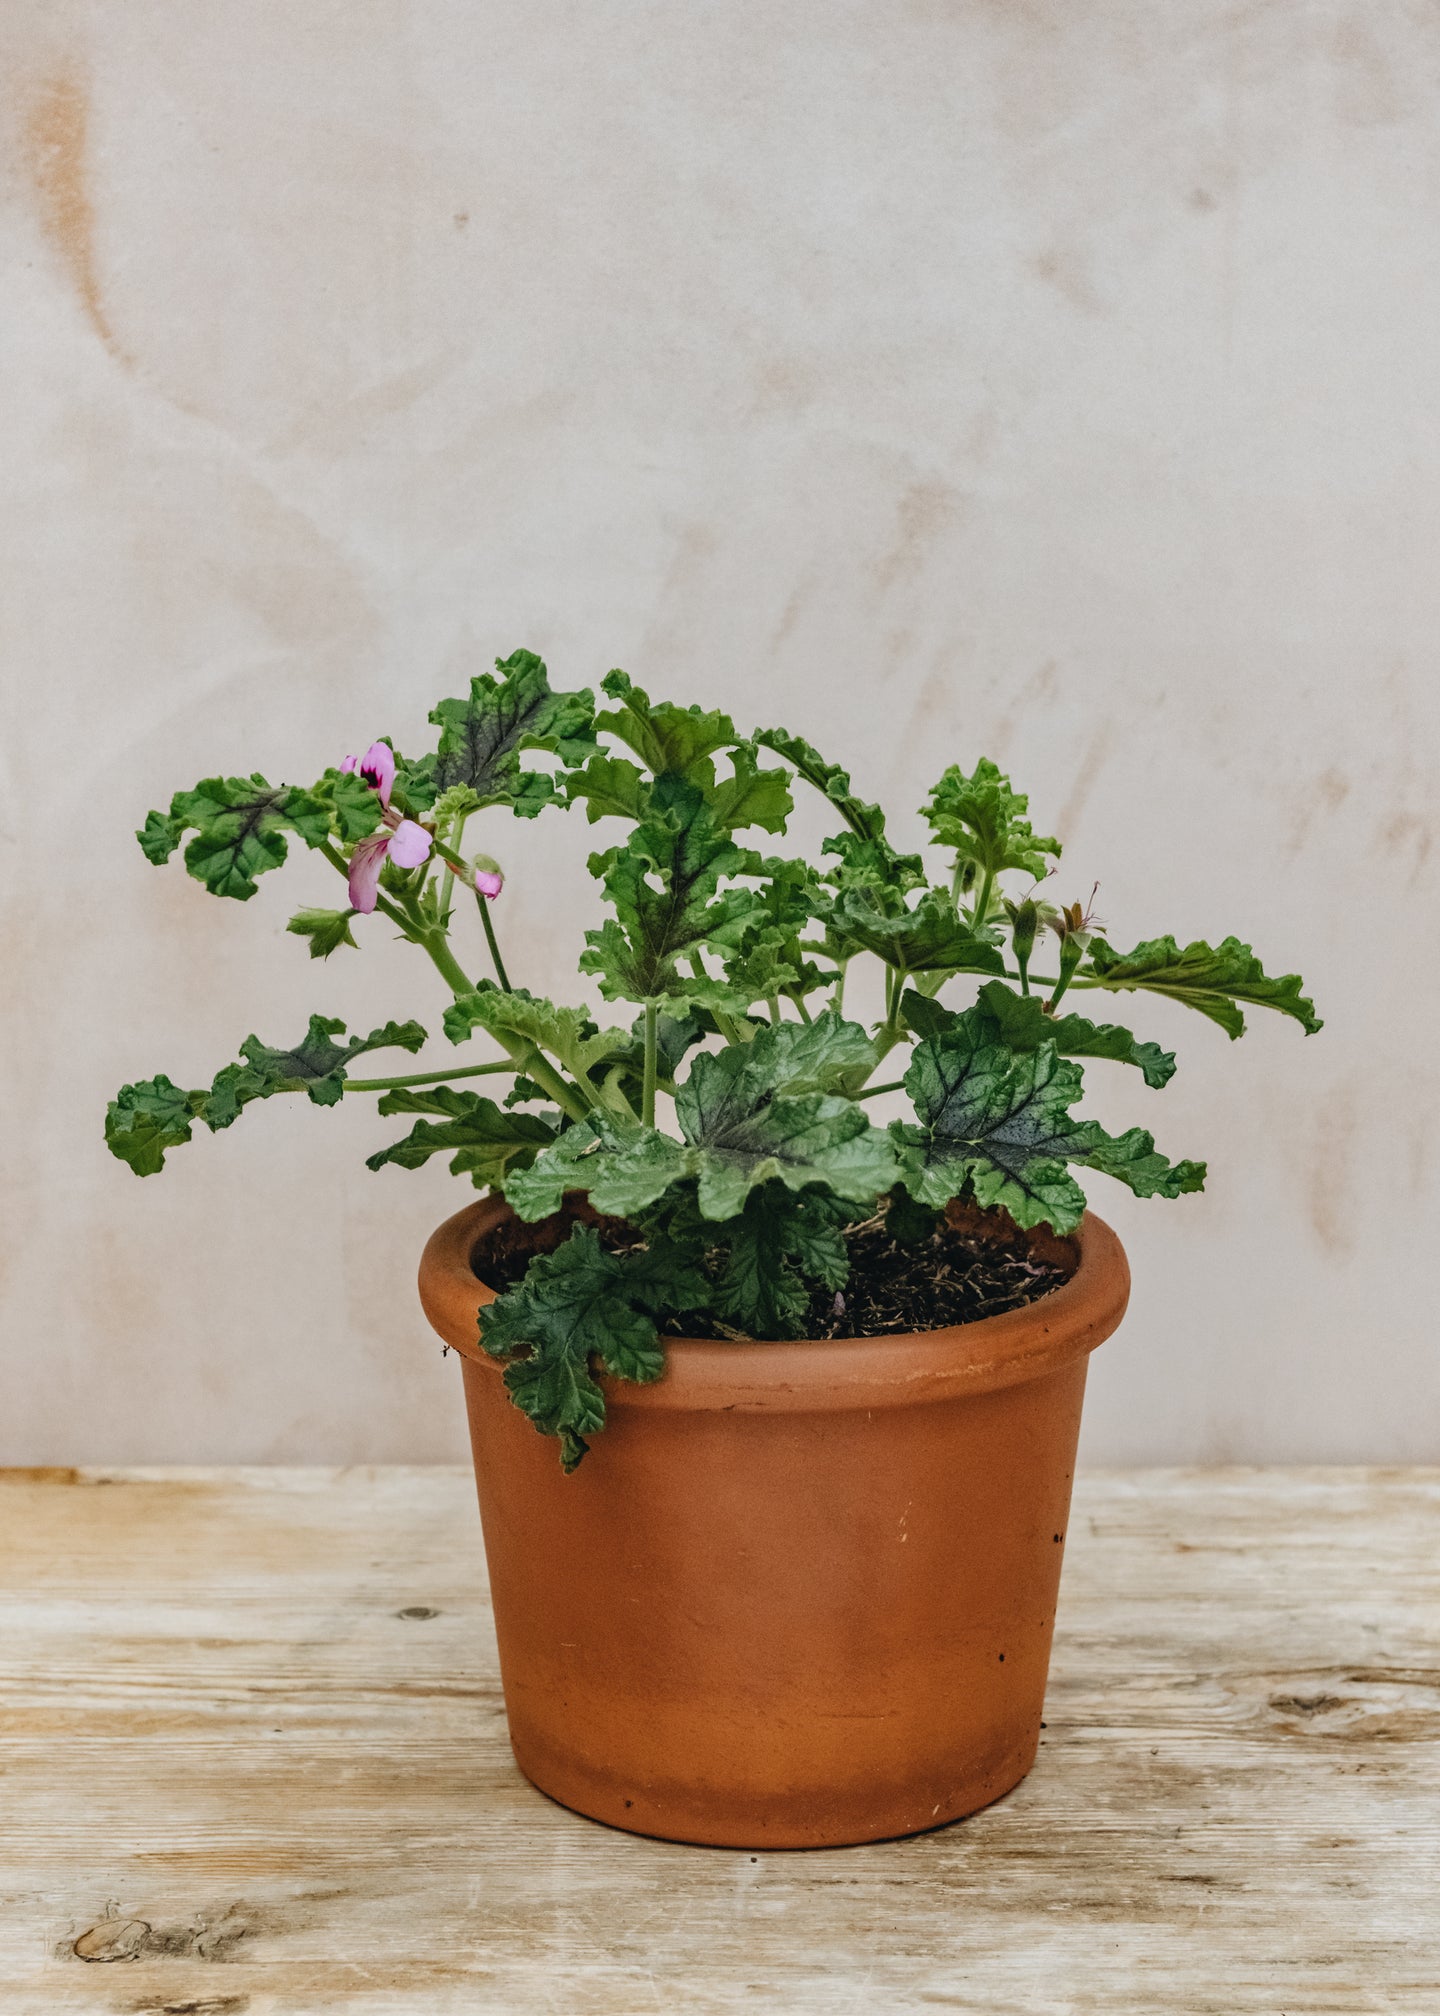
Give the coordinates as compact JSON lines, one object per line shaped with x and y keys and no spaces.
{"x":577,"y":1305}
{"x":143,"y":1120}
{"x":773,"y":1252}
{"x":481,"y":737}
{"x":484,"y":1140}
{"x":317,"y":1066}
{"x":1211,"y":979}
{"x":327,"y":930}
{"x":1019,"y":1022}
{"x":664,"y":884}
{"x":828,"y":778}
{"x":238,"y":824}
{"x":997,"y":1126}
{"x":929,"y":938}
{"x":983,"y":818}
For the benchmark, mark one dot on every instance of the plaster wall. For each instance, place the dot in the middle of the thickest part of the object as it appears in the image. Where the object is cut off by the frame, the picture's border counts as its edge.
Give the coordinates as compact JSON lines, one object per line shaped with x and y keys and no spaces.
{"x":1049,"y":382}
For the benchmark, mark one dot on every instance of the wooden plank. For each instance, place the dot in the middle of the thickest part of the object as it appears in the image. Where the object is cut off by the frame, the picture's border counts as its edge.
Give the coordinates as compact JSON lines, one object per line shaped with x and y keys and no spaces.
{"x":254,"y":1760}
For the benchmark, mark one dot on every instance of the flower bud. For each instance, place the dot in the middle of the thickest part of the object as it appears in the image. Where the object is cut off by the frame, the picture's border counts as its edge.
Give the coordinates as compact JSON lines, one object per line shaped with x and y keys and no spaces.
{"x":489,"y":877}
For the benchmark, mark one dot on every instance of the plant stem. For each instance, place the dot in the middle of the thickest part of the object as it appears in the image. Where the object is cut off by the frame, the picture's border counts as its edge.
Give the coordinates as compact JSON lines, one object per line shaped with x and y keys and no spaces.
{"x":874,"y":1091}
{"x":652,"y":1047}
{"x":500,"y":974}
{"x":982,"y":902}
{"x":428,"y":1077}
{"x":799,"y":999}
{"x":447,"y":895}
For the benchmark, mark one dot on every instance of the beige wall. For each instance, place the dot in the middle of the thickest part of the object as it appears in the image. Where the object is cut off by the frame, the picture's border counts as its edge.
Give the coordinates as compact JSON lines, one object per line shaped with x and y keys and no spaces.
{"x":1049,"y":381}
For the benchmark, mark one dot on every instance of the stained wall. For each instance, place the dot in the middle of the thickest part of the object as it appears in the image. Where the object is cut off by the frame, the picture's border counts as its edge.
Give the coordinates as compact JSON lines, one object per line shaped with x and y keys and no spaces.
{"x":1020,"y":379}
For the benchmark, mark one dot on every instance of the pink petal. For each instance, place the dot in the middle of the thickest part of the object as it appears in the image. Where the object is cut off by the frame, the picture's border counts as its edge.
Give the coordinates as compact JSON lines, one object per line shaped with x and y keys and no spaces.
{"x":377,"y":767}
{"x":488,"y":884}
{"x":409,"y":844}
{"x":365,"y":864}
{"x":348,"y":764}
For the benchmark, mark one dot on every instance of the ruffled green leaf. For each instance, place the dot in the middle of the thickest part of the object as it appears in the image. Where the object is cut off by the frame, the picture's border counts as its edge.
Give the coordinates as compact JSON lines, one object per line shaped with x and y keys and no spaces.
{"x":566,"y":1033}
{"x":1019,"y":1022}
{"x":928,"y":938}
{"x":664,"y":883}
{"x":482,"y":736}
{"x":770,"y":1111}
{"x":610,"y":786}
{"x":483,"y":1141}
{"x":828,"y":778}
{"x":668,"y":740}
{"x":579,"y":1309}
{"x":781,"y":1244}
{"x":982,"y":817}
{"x":316,"y":1066}
{"x":996,"y":1125}
{"x":750,"y":796}
{"x":143,"y":1120}
{"x":1212,"y":979}
{"x":239,"y":825}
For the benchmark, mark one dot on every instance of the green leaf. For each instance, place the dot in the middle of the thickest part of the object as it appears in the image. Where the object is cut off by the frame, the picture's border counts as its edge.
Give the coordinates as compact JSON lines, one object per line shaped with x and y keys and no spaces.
{"x":929,"y":938}
{"x":481,"y":737}
{"x":580,"y":1307}
{"x":750,"y":796}
{"x":1211,"y":979}
{"x":997,"y":1126}
{"x":484,"y":1141}
{"x":780,"y":1244}
{"x":622,"y":1169}
{"x":239,"y":827}
{"x":1019,"y":1022}
{"x":828,"y":778}
{"x":609,"y":785}
{"x":678,"y":740}
{"x":159,"y":837}
{"x":873,"y":864}
{"x":983,"y":818}
{"x":143,"y":1120}
{"x":567,"y":1033}
{"x":663,"y":883}
{"x":758,"y":1113}
{"x":749,"y":1118}
{"x":317,"y":1066}
{"x":327,"y":930}
{"x":354,"y":808}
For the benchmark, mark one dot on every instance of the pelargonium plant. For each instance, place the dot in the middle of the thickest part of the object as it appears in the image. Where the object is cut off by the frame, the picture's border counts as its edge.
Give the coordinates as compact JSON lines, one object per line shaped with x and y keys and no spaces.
{"x":728,"y":1123}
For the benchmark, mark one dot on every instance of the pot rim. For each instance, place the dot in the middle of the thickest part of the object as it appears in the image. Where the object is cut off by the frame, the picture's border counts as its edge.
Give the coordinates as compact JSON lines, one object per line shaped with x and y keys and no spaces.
{"x":914,"y":1367}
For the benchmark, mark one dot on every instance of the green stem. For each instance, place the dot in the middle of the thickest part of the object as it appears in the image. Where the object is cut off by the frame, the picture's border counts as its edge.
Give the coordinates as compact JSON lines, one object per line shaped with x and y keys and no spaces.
{"x":982,"y":902}
{"x":874,"y":1091}
{"x":428,"y":1077}
{"x":799,"y":999}
{"x":772,"y":1004}
{"x":499,"y":964}
{"x":652,"y":1045}
{"x":447,"y":895}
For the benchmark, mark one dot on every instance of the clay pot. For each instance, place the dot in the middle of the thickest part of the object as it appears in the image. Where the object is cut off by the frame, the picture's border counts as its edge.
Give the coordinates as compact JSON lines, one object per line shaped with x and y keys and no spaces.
{"x":797,"y":1595}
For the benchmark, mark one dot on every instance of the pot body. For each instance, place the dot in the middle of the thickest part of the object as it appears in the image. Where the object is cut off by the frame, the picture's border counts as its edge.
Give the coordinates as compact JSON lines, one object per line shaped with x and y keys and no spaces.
{"x":797,"y":1595}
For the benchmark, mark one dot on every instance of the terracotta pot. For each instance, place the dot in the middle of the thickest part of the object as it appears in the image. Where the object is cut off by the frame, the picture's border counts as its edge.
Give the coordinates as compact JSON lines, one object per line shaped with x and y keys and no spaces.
{"x":797,"y":1595}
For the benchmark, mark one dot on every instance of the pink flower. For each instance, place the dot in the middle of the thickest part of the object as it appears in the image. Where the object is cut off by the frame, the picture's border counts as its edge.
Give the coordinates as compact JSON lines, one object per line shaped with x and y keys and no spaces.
{"x":487,"y":884}
{"x":377,"y":767}
{"x":407,"y":846}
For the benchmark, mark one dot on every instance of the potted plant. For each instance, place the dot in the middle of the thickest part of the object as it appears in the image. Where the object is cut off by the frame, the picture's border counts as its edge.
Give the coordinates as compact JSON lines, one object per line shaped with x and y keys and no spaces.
{"x":800,"y":1590}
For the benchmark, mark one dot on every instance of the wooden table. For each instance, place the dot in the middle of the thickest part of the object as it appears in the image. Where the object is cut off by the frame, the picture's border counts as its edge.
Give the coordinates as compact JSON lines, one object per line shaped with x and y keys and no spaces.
{"x":254,"y":1760}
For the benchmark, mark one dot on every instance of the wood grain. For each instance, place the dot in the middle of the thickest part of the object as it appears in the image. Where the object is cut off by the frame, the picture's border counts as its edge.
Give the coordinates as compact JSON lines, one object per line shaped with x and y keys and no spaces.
{"x":253,"y":1760}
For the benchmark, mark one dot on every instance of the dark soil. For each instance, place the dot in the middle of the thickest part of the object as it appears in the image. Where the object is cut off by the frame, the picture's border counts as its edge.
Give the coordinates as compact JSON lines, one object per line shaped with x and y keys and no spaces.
{"x":976,"y":1264}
